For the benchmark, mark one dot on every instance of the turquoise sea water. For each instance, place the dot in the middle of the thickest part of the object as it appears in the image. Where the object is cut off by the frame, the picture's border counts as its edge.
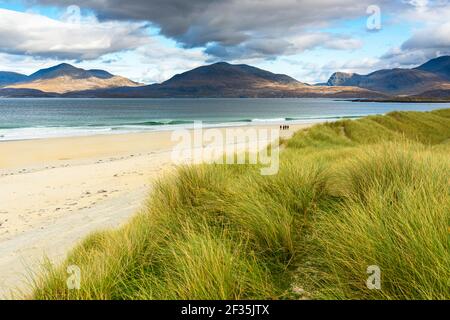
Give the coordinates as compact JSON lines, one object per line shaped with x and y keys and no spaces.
{"x":42,"y":118}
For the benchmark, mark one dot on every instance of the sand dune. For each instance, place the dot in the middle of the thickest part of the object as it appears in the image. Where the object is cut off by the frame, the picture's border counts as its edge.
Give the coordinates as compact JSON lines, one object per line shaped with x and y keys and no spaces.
{"x":55,"y":191}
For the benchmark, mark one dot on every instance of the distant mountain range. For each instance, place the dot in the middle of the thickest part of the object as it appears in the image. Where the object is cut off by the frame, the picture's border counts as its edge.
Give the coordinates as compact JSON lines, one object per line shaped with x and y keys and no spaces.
{"x":430,"y":80}
{"x":61,"y":79}
{"x":432,"y":76}
{"x":226,"y":80}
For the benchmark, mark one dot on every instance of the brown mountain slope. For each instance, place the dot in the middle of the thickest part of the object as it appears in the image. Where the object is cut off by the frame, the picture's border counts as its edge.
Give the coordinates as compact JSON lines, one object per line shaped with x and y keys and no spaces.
{"x":66,"y":78}
{"x":64,"y":84}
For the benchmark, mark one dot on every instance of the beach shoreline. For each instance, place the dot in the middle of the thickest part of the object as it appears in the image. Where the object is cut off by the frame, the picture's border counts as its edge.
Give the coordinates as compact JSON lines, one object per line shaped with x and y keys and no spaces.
{"x":95,"y":131}
{"x":56,"y":191}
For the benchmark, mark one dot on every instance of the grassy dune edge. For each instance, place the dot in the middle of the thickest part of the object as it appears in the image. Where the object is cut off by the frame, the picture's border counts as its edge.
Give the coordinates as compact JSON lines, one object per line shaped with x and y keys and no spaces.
{"x":349,"y":194}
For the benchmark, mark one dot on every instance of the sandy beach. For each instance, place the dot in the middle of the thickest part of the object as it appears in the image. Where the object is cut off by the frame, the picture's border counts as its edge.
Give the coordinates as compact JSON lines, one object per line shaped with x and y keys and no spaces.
{"x":53,"y":192}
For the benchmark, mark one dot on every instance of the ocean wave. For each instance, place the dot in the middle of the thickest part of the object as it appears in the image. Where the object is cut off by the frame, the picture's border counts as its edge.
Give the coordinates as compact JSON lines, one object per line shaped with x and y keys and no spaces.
{"x":8,"y":133}
{"x":158,"y":123}
{"x":330,"y":117}
{"x":269,"y":120}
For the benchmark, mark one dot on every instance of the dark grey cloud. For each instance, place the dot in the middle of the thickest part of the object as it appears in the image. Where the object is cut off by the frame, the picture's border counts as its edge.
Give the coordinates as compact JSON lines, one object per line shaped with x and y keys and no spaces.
{"x":274,"y":47}
{"x":174,"y":17}
{"x":434,"y":38}
{"x":228,"y":28}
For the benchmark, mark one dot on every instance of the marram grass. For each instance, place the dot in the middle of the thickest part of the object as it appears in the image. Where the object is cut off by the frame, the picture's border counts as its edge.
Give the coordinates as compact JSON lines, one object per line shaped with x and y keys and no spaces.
{"x":349,"y":194}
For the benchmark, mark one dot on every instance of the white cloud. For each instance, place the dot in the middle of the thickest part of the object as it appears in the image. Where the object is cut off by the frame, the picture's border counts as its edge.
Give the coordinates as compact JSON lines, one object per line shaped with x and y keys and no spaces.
{"x":23,"y":64}
{"x":312,"y":72}
{"x":430,"y":40}
{"x":160,"y":62}
{"x":325,"y":40}
{"x":40,"y":36}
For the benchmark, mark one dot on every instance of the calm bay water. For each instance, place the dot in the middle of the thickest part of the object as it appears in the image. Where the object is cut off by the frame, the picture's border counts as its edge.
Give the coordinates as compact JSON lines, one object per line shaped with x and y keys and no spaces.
{"x":41,"y":118}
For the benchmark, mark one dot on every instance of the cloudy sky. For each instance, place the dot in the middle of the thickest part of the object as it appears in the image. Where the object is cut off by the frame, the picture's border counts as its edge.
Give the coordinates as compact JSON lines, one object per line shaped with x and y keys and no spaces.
{"x":150,"y":41}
